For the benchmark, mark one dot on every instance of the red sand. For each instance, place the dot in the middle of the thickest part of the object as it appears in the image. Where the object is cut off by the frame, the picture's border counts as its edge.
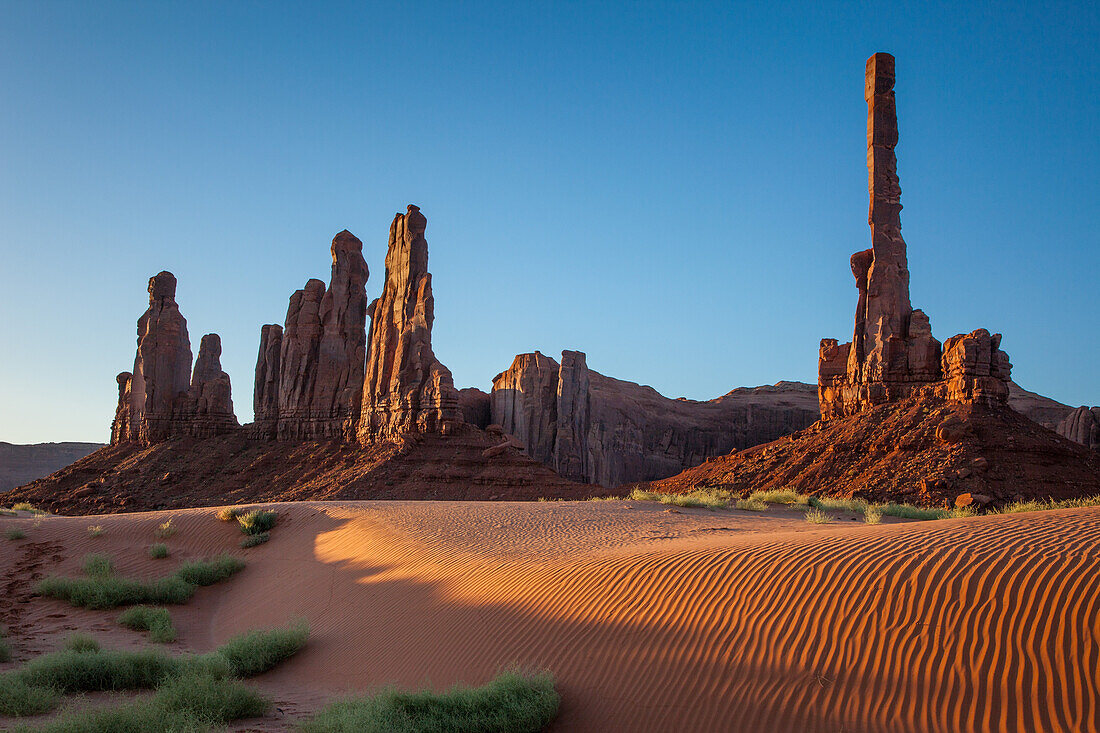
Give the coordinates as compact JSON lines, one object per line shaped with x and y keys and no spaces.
{"x":650,"y":620}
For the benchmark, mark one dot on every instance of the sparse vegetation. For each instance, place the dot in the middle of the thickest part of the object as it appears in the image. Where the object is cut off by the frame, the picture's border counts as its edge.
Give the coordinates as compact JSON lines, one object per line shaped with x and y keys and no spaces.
{"x":817,"y":516}
{"x":257,"y":521}
{"x":852,"y":506}
{"x":780,"y":496}
{"x":1041,"y":505}
{"x":229,"y":513}
{"x":908,"y":511}
{"x":511,"y":703}
{"x":963,"y":511}
{"x":165,"y":530}
{"x":77,"y":642}
{"x":158,"y":550}
{"x":872,"y":515}
{"x":706,"y":498}
{"x":751,"y":505}
{"x":15,"y":534}
{"x":25,"y":507}
{"x":201,"y":689}
{"x":96,"y":530}
{"x":103,"y":589}
{"x":157,"y":621}
{"x":255,"y":539}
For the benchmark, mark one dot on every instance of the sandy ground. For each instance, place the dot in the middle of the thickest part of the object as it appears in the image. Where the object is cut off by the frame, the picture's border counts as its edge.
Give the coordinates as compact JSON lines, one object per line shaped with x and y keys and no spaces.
{"x":650,"y":620}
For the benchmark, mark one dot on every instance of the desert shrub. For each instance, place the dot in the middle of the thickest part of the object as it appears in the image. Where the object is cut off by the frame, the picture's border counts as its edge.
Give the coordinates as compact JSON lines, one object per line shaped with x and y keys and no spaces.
{"x":255,"y":539}
{"x":963,"y":511}
{"x":211,"y":699}
{"x":817,"y":516}
{"x":707,"y":498}
{"x":81,"y":643}
{"x":257,"y":522}
{"x":258,"y":651}
{"x":98,"y":565}
{"x":165,"y":529}
{"x":96,"y":530}
{"x":751,"y":505}
{"x":157,"y":621}
{"x":18,"y":699}
{"x":872,"y":515}
{"x":69,"y":671}
{"x":780,"y":496}
{"x":105,"y":590}
{"x":230,"y":513}
{"x":24,"y":507}
{"x":15,"y":534}
{"x":908,"y":511}
{"x":511,"y":703}
{"x":853,"y":506}
{"x":158,"y":550}
{"x":208,"y":572}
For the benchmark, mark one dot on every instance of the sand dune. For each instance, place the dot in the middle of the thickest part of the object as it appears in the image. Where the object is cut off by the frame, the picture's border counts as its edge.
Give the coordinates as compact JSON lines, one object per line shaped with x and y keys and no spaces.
{"x":651,"y":621}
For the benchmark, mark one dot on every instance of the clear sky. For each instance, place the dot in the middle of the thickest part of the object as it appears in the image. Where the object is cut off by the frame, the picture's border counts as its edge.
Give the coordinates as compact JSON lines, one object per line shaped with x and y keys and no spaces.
{"x":673,"y":188}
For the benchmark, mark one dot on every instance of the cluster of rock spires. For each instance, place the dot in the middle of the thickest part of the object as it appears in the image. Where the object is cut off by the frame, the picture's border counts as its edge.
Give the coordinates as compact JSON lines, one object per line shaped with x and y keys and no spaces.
{"x":162,"y":398}
{"x":893,"y":354}
{"x":321,"y":375}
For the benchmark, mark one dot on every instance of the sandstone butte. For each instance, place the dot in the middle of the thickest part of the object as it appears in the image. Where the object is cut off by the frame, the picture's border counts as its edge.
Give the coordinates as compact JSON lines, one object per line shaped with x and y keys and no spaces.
{"x":901,"y":415}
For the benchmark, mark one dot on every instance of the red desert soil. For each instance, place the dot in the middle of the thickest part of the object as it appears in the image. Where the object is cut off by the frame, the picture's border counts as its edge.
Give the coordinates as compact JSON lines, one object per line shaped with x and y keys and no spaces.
{"x":650,"y":620}
{"x":188,"y":472}
{"x":920,"y":450}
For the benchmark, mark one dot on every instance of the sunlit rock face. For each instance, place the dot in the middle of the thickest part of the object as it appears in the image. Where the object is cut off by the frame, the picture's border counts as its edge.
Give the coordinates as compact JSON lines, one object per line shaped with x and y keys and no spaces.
{"x":162,"y":398}
{"x":893,"y":353}
{"x":596,"y":429}
{"x":406,"y":390}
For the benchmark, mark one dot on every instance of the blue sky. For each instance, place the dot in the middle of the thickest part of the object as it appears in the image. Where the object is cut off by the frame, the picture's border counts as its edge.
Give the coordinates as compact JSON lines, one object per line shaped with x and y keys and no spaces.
{"x":673,"y":188}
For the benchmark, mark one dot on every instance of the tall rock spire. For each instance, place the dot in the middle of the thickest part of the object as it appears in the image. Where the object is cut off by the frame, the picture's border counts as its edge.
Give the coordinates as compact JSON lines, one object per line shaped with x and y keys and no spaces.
{"x":405,"y":388}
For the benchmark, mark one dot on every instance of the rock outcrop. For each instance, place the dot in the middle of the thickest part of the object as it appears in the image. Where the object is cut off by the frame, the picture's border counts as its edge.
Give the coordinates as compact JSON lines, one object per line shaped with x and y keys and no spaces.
{"x":593,"y":428}
{"x":20,"y":464}
{"x":1082,"y":426}
{"x":309,"y":374}
{"x":161,"y":399}
{"x":893,"y":354}
{"x":406,"y":389}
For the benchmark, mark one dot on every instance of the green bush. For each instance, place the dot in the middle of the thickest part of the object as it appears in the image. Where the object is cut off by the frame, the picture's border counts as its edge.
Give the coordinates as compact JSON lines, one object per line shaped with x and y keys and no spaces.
{"x":81,"y":643}
{"x":157,"y":621}
{"x":511,"y":703}
{"x":69,"y":671}
{"x":255,"y":539}
{"x":257,"y":522}
{"x":24,"y":507}
{"x":18,"y":699}
{"x":258,"y":651}
{"x":908,"y":511}
{"x":97,"y":565}
{"x":208,"y":572}
{"x":158,"y":550}
{"x":15,"y":534}
{"x":229,"y":513}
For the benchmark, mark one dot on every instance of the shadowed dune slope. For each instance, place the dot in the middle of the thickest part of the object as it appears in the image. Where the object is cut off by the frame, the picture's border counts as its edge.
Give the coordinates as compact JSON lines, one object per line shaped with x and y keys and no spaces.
{"x":651,"y":621}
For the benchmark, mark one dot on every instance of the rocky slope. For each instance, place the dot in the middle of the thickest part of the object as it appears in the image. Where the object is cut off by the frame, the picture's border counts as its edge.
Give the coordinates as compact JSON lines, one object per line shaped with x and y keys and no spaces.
{"x":20,"y":464}
{"x":597,"y":429}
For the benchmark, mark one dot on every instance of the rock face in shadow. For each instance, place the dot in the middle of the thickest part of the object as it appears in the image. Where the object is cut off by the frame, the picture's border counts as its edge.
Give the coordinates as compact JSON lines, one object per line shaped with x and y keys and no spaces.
{"x":20,"y":464}
{"x":596,"y":429}
{"x":893,"y":354}
{"x":309,"y":374}
{"x":159,"y":399}
{"x":406,"y":390}
{"x":1082,"y":426}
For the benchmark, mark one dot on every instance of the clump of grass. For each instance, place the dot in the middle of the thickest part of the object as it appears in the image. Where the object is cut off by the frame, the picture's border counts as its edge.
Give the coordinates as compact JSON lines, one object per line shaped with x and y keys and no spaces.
{"x":707,"y":498}
{"x":1035,"y":505}
{"x":963,"y":511}
{"x":853,"y":506}
{"x":98,"y":565}
{"x":81,"y":643}
{"x":202,"y":687}
{"x":255,"y":539}
{"x":102,"y":589}
{"x":511,"y":703}
{"x":751,"y":505}
{"x":872,"y":515}
{"x":229,"y":513}
{"x":165,"y":530}
{"x":158,"y":550}
{"x":258,"y":651}
{"x":157,"y":621}
{"x":908,"y":511}
{"x":257,"y":522}
{"x":96,"y":530}
{"x":817,"y":516}
{"x":24,"y":507}
{"x":15,"y":534}
{"x":780,"y":496}
{"x":208,"y":572}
